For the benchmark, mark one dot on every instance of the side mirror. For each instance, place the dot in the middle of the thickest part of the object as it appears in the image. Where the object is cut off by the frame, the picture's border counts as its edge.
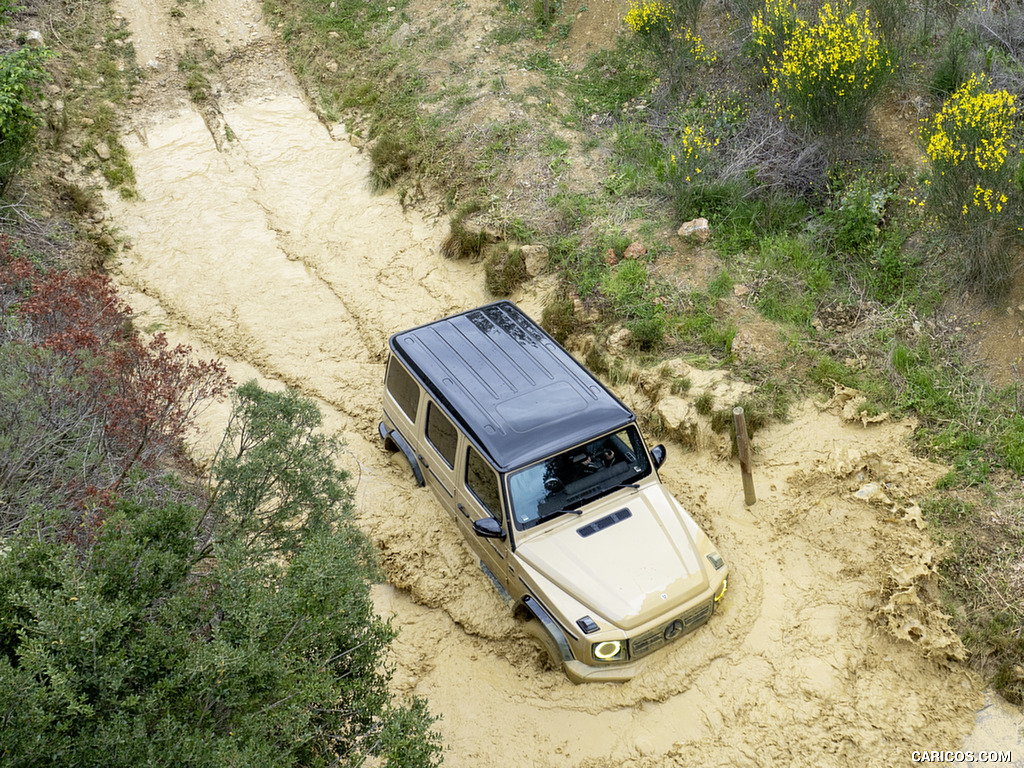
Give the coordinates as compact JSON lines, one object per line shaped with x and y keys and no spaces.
{"x":488,"y":528}
{"x":658,"y":454}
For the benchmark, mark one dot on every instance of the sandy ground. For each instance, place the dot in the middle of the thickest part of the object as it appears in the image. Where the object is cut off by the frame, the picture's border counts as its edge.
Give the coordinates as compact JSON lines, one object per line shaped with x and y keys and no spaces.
{"x":255,"y":240}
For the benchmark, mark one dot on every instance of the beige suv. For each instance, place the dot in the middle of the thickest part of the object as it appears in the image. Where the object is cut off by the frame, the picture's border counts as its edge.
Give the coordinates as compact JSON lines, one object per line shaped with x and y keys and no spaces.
{"x":546,"y":474}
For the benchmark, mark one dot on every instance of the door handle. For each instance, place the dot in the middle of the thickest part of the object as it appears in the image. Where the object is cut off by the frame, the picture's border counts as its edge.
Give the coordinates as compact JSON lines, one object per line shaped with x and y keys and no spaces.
{"x":422,"y":461}
{"x":462,"y":509}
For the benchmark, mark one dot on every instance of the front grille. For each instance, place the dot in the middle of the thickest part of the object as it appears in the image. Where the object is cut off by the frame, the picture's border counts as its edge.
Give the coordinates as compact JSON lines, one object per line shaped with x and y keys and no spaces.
{"x":671,"y":630}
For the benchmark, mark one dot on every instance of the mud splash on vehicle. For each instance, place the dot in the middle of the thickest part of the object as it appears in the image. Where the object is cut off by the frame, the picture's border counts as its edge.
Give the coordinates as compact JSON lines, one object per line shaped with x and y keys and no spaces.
{"x":266,"y":249}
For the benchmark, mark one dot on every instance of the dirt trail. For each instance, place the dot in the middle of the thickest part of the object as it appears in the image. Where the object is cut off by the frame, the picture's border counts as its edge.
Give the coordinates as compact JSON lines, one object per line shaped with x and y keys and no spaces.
{"x":256,"y":240}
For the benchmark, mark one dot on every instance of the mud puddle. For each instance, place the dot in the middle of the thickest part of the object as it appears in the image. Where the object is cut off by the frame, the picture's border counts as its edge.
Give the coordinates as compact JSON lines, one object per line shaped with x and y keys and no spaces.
{"x":255,"y":240}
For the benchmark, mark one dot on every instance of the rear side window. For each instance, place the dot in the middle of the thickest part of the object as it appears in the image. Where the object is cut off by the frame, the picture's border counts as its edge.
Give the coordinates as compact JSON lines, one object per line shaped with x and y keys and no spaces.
{"x":403,"y":389}
{"x":441,"y":433}
{"x":483,"y":482}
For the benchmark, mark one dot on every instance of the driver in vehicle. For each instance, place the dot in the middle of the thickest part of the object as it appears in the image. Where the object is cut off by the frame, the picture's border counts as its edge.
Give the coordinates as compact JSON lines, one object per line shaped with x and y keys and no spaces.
{"x":599,"y":457}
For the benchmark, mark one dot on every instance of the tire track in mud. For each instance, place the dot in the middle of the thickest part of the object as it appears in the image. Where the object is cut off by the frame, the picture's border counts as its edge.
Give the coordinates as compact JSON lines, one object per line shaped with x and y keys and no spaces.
{"x":272,"y":253}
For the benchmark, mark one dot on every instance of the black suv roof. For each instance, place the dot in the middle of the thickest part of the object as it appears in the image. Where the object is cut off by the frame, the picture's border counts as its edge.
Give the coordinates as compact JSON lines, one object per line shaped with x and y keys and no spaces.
{"x":508,"y":384}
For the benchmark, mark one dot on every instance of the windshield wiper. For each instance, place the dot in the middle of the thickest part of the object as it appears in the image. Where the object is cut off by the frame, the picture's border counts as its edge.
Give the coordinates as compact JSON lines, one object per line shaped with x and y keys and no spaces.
{"x":557,"y":512}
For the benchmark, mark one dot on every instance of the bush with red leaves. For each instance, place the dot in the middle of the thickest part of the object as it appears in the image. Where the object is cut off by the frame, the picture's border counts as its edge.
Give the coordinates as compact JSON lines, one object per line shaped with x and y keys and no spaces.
{"x":84,"y":399}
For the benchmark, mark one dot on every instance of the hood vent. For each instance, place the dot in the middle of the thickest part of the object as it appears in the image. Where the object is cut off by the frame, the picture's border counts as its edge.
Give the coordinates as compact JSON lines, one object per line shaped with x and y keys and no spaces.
{"x":605,"y":522}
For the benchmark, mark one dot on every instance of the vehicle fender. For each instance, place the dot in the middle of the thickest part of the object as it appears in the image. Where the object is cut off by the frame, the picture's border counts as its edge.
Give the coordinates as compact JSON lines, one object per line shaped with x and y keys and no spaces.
{"x":396,"y":437}
{"x":553,"y":638}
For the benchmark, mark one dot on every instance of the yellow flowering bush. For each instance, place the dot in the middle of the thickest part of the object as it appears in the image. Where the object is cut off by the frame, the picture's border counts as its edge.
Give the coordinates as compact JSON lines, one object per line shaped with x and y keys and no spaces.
{"x":974,"y":128}
{"x":826,"y":72}
{"x":649,"y":19}
{"x":693,"y":154}
{"x":973,"y":155}
{"x":830,"y":70}
{"x":771,"y":28}
{"x":659,"y":23}
{"x":970,"y":145}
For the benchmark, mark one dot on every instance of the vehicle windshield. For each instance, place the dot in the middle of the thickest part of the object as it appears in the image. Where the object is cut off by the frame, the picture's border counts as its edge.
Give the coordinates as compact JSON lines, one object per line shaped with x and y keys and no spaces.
{"x":563,"y":483}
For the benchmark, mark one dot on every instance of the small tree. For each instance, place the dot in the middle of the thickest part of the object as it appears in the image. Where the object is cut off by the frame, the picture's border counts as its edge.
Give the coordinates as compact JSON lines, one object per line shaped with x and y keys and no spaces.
{"x":148,"y":648}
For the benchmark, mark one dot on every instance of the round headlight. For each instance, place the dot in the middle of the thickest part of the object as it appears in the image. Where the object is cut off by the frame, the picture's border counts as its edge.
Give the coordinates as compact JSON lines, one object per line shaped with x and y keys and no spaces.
{"x":607,"y":650}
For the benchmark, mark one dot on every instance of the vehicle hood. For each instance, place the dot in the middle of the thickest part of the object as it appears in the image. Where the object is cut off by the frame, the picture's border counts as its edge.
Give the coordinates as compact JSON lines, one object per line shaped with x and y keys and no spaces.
{"x":631,"y":571}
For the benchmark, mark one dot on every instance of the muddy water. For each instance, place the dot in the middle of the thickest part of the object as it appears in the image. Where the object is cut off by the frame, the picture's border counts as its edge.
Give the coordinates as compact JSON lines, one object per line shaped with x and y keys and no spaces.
{"x":266,"y":249}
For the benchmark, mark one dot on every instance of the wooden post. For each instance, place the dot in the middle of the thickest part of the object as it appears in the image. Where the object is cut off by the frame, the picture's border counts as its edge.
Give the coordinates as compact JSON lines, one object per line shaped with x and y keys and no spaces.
{"x":743,"y":449}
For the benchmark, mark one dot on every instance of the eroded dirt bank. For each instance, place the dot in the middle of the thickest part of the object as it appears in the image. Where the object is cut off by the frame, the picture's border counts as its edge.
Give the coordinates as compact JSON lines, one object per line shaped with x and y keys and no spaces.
{"x":255,"y":239}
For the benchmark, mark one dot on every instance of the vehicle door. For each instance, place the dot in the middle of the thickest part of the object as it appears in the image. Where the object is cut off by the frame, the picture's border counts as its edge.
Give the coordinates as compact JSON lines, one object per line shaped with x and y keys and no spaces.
{"x":477,"y":498}
{"x":439,"y":449}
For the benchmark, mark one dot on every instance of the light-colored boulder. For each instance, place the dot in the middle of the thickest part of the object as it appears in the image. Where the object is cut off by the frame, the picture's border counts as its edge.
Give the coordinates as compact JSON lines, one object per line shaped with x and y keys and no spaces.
{"x":697,"y":229}
{"x":619,"y":341}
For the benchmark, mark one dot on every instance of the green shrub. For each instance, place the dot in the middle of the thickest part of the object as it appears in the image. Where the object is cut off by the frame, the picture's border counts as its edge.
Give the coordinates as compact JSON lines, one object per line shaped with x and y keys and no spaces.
{"x":648,"y":332}
{"x":463,"y":242}
{"x":693,"y":151}
{"x":705,"y":403}
{"x":391,"y":158}
{"x":504,"y":270}
{"x":680,"y":385}
{"x":955,"y":63}
{"x":854,"y":223}
{"x":21,"y":78}
{"x":559,"y":318}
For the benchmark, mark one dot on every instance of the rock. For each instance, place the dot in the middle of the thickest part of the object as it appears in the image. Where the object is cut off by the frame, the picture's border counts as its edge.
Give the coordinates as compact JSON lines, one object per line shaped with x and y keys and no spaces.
{"x":619,"y":340}
{"x":488,"y":233}
{"x":697,"y":229}
{"x":536,"y":259}
{"x":402,"y":35}
{"x":102,"y":151}
{"x":634,"y":250}
{"x":610,"y":258}
{"x":153,"y":64}
{"x":355,"y":141}
{"x":678,"y":416}
{"x":332,"y":66}
{"x":677,"y":369}
{"x":34,"y":38}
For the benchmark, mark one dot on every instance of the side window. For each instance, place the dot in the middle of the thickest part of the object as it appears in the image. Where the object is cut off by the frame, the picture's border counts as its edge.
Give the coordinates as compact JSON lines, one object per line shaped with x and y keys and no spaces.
{"x":403,"y":388}
{"x":441,"y":433}
{"x":483,"y":482}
